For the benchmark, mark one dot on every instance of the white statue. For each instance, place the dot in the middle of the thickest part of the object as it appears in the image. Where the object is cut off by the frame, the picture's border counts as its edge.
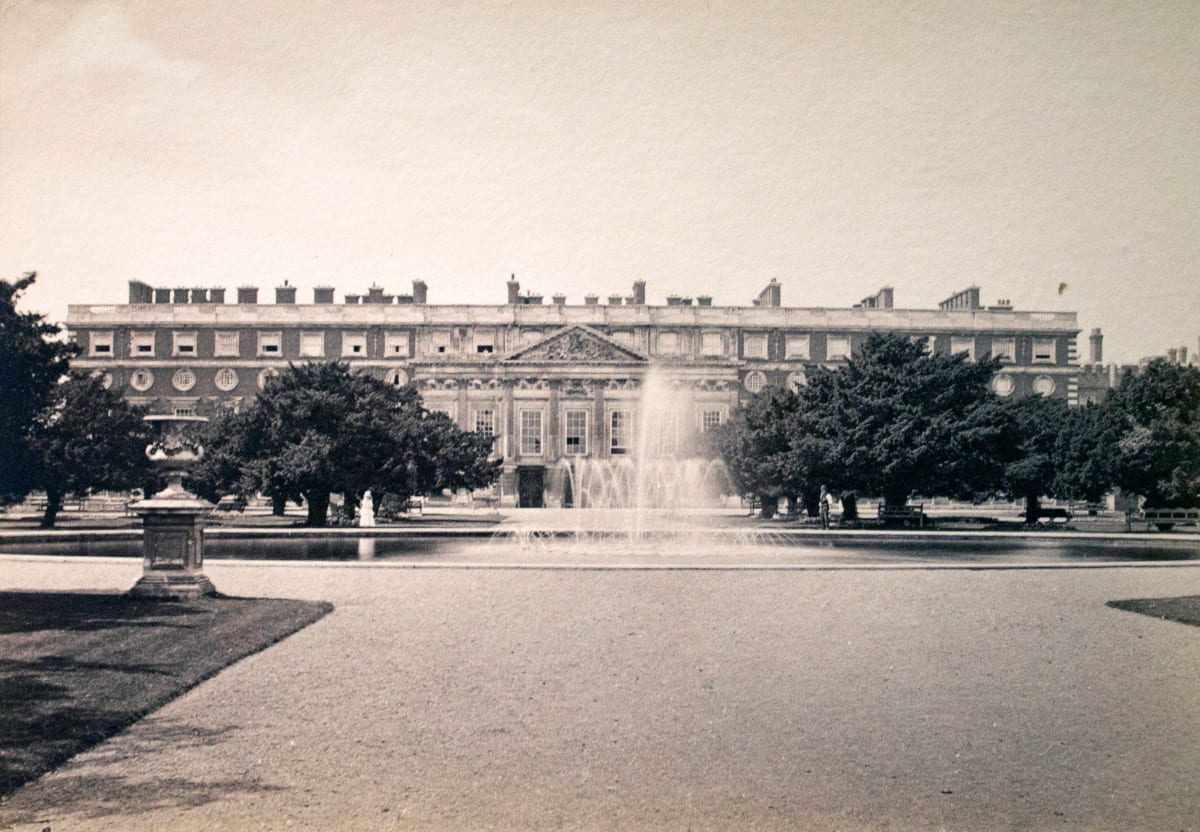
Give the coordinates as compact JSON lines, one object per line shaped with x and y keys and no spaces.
{"x":366,"y":512}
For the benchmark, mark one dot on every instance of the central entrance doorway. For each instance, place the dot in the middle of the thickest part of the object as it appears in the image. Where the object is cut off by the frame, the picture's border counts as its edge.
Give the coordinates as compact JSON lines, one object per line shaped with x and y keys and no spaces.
{"x":531,"y":485}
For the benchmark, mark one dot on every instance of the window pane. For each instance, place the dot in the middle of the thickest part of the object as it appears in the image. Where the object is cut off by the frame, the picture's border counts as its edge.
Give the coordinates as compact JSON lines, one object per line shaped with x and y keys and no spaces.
{"x":226,"y":344}
{"x":576,"y":431}
{"x":620,"y":431}
{"x":711,"y":343}
{"x":797,"y":346}
{"x":756,"y":346}
{"x":531,"y":432}
{"x":838,"y":346}
{"x":485,"y":422}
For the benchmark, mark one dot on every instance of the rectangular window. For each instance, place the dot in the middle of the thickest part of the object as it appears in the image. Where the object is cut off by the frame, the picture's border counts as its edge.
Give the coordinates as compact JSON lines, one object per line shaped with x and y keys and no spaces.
{"x":668,"y":343}
{"x":312,"y":344}
{"x":270,"y":343}
{"x":961,"y":344}
{"x":1043,"y":350}
{"x":531,"y":432}
{"x":183,"y":343}
{"x":439,"y":341}
{"x":226,"y":344}
{"x":576,"y":432}
{"x":710,"y":419}
{"x":395,"y":344}
{"x":797,"y":346}
{"x":354,"y":344}
{"x":711,"y":343}
{"x":485,"y":422}
{"x":1005,"y":349}
{"x":485,"y":341}
{"x":184,"y":410}
{"x":755,"y":346}
{"x":141,"y":344}
{"x":837,"y":346}
{"x":620,"y":433}
{"x":100,"y":343}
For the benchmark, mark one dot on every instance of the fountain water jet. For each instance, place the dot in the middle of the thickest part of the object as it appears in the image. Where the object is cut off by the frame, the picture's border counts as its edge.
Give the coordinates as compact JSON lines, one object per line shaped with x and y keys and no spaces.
{"x":659,"y":497}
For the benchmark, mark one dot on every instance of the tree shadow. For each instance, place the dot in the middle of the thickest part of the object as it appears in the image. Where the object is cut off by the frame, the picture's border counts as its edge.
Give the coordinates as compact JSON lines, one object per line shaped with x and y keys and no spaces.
{"x":29,"y":612}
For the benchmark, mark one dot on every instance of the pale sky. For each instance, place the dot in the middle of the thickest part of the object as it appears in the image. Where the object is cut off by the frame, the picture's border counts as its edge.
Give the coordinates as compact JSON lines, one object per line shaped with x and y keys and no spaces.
{"x":703,"y":147}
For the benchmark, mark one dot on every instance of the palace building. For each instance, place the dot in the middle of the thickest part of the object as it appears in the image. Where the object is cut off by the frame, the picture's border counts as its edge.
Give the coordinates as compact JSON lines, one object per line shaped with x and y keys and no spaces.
{"x":551,"y":381}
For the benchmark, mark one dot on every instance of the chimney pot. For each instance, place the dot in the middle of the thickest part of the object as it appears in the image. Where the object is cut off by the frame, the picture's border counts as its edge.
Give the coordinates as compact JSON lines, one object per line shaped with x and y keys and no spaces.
{"x":247,"y":294}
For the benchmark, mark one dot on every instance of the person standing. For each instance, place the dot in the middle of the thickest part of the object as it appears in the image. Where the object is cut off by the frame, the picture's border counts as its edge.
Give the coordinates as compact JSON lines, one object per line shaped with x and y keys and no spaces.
{"x":826,"y":502}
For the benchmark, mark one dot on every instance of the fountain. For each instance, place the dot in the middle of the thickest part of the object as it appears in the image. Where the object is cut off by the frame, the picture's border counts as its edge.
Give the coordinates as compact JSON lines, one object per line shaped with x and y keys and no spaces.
{"x":661,"y":495}
{"x":173,"y":519}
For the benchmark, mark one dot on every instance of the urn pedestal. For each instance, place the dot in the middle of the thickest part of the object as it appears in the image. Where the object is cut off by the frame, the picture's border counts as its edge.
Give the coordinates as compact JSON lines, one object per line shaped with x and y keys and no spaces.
{"x":173,"y":519}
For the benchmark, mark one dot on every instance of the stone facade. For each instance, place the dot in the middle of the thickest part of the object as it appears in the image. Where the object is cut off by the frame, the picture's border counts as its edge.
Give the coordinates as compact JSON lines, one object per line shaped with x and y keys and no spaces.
{"x":550,"y":381}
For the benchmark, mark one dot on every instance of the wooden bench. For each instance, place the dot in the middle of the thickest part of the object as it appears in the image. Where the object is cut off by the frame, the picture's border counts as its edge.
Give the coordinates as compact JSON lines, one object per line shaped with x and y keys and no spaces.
{"x":903,"y":515}
{"x":1166,"y":519}
{"x":1052,"y":514}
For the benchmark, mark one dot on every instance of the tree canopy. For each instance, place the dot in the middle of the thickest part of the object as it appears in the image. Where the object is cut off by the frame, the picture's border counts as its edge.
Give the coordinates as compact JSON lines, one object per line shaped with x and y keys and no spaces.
{"x":320,"y":428}
{"x":755,"y":445}
{"x":88,"y":438}
{"x":1157,"y":415}
{"x":31,"y":365}
{"x":896,"y":420}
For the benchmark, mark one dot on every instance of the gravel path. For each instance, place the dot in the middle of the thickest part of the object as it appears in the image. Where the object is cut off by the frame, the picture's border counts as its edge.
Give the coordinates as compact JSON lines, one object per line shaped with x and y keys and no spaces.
{"x":505,"y":699}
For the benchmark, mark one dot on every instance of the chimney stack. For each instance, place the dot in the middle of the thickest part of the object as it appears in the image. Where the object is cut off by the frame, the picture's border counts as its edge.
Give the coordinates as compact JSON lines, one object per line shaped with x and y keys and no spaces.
{"x":590,"y":300}
{"x":1096,"y":351}
{"x":770,"y":296}
{"x":1172,"y":356}
{"x":285,"y":293}
{"x":179,"y":296}
{"x":199,"y":296}
{"x":162,"y":295}
{"x":704,"y":300}
{"x":140,"y":292}
{"x":216,"y":295}
{"x":639,"y":292}
{"x":247,"y":294}
{"x":322,"y":294}
{"x":1183,"y":354}
{"x":559,"y":300}
{"x":514,"y":290}
{"x":885,"y":297}
{"x":374,"y":295}
{"x":420,"y":292}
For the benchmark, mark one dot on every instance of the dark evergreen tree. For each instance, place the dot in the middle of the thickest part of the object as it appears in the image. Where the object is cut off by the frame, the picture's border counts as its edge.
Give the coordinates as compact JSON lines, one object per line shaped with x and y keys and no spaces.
{"x":1157,"y":415}
{"x":88,"y":438}
{"x":31,"y":365}
{"x":896,"y":420}
{"x":318,"y":429}
{"x":755,"y":444}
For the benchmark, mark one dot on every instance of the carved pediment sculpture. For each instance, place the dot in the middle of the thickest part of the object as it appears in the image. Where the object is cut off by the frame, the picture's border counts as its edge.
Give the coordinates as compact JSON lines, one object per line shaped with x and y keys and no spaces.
{"x":577,"y":344}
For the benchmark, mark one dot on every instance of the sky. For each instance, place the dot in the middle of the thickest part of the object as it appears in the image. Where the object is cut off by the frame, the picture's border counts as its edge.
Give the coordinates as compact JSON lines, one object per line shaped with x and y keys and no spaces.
{"x":1046,"y":152}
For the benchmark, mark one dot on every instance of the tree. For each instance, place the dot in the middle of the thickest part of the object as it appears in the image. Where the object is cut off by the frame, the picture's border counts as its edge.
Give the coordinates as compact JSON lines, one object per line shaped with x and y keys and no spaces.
{"x":88,"y":438}
{"x":319,"y":428}
{"x":31,"y":364}
{"x":1157,"y":415}
{"x":896,"y":420}
{"x":1085,"y":454}
{"x":755,"y":444}
{"x":1034,"y":428}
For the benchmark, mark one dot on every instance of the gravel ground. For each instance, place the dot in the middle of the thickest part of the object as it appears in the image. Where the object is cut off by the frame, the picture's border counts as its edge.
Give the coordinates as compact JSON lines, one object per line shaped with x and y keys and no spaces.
{"x":592,"y":699}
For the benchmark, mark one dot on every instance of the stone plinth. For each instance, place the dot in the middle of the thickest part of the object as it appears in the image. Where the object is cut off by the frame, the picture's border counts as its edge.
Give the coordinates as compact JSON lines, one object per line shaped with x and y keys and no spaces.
{"x":173,"y":549}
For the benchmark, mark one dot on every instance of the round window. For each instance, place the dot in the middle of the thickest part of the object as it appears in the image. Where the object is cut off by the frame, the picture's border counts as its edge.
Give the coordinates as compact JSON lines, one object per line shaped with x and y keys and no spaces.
{"x":141,"y":380}
{"x":797,"y":380}
{"x":269,"y":372}
{"x":398,"y":378}
{"x":226,"y":379}
{"x":183,"y":380}
{"x":1043,"y":385}
{"x":755,"y":381}
{"x":106,"y":378}
{"x":1003,"y":384}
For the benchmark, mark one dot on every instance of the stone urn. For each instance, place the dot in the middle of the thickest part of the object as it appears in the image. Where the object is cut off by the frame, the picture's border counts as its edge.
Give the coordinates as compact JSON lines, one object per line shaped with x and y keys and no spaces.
{"x":173,"y":519}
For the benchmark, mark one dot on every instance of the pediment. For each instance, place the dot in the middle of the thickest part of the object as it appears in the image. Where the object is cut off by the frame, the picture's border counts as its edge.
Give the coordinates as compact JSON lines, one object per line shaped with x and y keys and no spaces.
{"x":575,"y":345}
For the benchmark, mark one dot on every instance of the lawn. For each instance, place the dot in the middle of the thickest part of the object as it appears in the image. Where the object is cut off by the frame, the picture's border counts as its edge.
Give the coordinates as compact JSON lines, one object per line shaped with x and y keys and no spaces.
{"x":77,"y":668}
